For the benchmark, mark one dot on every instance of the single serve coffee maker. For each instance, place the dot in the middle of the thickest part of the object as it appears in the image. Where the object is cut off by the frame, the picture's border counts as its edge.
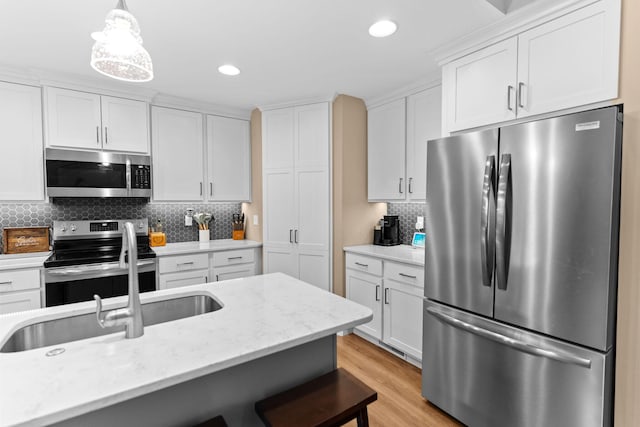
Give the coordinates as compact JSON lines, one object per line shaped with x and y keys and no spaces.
{"x":387,"y":233}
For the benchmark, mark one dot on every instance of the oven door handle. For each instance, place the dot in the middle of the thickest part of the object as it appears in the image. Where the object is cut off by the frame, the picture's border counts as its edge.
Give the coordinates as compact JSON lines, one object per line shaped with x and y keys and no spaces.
{"x":71,"y":271}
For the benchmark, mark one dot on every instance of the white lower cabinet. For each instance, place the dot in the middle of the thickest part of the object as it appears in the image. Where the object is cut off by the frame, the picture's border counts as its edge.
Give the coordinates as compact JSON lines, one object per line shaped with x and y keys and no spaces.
{"x":233,"y":264}
{"x":187,"y":278}
{"x":19,"y":290}
{"x":393,"y":291}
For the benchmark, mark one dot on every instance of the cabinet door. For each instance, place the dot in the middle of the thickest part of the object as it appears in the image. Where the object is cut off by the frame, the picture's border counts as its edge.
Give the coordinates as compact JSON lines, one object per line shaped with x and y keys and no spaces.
{"x":424,"y":122}
{"x":177,"y":155}
{"x":21,"y":173}
{"x":229,"y":159}
{"x":125,"y":125}
{"x":366,"y":290}
{"x":313,"y":267}
{"x":278,"y":139}
{"x":480,"y":88}
{"x":280,"y":260}
{"x":177,"y":280}
{"x":570,"y":61}
{"x":233,"y":272}
{"x":312,"y":202}
{"x":73,"y":119}
{"x":279,"y":208}
{"x":19,"y":301}
{"x":386,"y":151}
{"x":312,"y":136}
{"x":402,"y":316}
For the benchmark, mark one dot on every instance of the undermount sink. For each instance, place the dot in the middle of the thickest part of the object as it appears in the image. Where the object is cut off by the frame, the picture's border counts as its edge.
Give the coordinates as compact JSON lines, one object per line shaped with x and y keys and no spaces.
{"x":73,"y":328}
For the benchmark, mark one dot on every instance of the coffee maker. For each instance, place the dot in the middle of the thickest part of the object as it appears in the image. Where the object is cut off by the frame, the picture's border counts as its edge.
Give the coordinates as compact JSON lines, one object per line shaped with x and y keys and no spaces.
{"x":389,"y":232}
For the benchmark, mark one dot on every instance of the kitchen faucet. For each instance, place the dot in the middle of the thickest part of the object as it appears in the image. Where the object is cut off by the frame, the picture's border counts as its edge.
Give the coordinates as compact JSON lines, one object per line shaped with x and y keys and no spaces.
{"x":131,"y":315}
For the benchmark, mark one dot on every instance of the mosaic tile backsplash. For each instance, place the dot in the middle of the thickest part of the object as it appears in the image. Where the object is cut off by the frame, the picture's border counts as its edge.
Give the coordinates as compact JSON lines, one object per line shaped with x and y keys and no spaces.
{"x":171,"y":215}
{"x":407,"y":213}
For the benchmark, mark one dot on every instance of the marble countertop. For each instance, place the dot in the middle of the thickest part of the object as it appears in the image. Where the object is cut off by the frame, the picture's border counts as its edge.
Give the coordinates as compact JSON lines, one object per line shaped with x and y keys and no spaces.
{"x":261,"y":315}
{"x":15,"y":261}
{"x":209,"y":246}
{"x":401,"y":253}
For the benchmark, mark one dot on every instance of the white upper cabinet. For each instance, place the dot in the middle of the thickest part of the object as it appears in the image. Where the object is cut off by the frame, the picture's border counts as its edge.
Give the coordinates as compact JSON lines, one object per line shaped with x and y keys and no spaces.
{"x":386,"y":151}
{"x":278,"y":139}
{"x":563,"y":63}
{"x":424,"y":120}
{"x":88,"y":121}
{"x":21,"y":173}
{"x":178,"y":147}
{"x":480,"y":87}
{"x":229,"y":159}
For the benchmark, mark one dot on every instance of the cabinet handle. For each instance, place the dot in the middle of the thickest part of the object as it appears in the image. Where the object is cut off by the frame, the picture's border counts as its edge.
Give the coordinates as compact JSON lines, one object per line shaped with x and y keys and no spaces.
{"x":98,"y":135}
{"x":217,"y":278}
{"x":206,"y":279}
{"x":509,"y":89}
{"x":362,"y":265}
{"x":407,"y":275}
{"x":520,"y":86}
{"x":106,"y":135}
{"x":185,"y":263}
{"x":201,"y":188}
{"x":400,"y":186}
{"x":295,"y":233}
{"x":211,"y":188}
{"x":6,"y":283}
{"x":377,"y":292}
{"x":410,"y":181}
{"x":386,"y":295}
{"x":234,"y":257}
{"x":290,"y":235}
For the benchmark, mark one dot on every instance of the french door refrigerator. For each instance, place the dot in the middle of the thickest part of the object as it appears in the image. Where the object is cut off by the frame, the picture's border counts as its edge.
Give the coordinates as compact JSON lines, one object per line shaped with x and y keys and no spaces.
{"x":521,"y":272}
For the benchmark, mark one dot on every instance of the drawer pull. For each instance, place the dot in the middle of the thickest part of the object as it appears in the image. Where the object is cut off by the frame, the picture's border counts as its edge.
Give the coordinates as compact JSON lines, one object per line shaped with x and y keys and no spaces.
{"x":185,"y":263}
{"x":234,"y":257}
{"x":407,"y":275}
{"x":362,"y":265}
{"x":386,"y":295}
{"x":377,"y":292}
{"x":6,"y":283}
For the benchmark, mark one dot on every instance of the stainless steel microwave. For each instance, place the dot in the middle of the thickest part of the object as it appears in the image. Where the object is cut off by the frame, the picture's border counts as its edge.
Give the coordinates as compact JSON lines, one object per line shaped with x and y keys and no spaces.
{"x":74,"y":173}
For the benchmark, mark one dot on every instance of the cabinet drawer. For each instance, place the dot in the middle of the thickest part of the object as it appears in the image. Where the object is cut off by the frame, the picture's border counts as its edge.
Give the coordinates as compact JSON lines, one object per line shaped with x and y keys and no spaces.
{"x":241,"y":256}
{"x":187,"y":278}
{"x":19,"y":301}
{"x":409,"y":274}
{"x":18,"y":280}
{"x":363,"y":263}
{"x":172,"y":264}
{"x":234,"y":272}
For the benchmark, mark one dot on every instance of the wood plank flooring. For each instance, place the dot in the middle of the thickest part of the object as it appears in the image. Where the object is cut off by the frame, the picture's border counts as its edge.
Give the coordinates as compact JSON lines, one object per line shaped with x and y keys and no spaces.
{"x":397,"y":382}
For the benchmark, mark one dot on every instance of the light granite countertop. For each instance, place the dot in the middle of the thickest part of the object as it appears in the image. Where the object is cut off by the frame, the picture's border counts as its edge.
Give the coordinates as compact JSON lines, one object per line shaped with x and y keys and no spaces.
{"x":209,"y":246}
{"x":261,"y":315}
{"x":16,"y":261}
{"x":400,"y":253}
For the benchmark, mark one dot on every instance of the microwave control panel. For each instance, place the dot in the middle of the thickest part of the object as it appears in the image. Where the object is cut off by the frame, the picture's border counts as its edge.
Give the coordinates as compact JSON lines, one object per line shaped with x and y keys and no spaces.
{"x":141,"y":176}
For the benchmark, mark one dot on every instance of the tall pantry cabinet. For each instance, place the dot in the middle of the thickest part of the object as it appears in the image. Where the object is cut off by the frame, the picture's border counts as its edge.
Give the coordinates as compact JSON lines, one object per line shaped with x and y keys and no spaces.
{"x":296,"y":192}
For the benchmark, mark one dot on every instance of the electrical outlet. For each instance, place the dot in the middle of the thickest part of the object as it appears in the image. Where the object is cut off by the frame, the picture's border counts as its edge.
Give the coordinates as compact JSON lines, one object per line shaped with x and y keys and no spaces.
{"x":188,"y":221}
{"x":255,"y":220}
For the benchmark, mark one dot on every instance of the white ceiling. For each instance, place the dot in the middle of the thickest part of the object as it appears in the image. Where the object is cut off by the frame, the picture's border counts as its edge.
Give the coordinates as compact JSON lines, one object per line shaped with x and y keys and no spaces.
{"x":287,"y":50}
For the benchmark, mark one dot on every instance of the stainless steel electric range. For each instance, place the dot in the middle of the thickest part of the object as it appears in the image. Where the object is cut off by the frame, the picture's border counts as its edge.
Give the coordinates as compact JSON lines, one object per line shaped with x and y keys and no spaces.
{"x":85,"y":257}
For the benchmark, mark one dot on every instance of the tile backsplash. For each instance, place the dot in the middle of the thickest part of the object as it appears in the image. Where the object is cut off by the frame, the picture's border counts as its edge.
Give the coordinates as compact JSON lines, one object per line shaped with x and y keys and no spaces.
{"x":171,"y":214}
{"x":407,"y":213}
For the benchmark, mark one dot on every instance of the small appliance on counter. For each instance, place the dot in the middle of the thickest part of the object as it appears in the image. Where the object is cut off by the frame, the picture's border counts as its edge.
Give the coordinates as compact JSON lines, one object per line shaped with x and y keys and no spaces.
{"x":387,"y":232}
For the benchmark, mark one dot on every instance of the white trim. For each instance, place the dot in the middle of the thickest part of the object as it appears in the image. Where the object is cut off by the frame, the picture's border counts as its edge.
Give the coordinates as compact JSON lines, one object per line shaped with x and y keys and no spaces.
{"x":432,"y":80}
{"x":298,"y":103}
{"x":179,"y":103}
{"x":512,"y":24}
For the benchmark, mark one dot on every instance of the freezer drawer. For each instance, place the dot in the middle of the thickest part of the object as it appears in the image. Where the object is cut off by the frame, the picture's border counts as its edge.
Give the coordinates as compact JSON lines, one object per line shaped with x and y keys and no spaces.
{"x":487,"y":374}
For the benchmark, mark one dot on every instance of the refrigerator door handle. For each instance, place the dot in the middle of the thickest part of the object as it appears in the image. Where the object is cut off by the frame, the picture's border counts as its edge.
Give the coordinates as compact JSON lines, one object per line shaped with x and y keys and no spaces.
{"x":502,"y":221}
{"x":559,"y":356}
{"x":487,"y":246}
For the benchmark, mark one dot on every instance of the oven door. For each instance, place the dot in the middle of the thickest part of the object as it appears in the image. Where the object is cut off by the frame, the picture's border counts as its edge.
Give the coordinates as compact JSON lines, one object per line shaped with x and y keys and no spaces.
{"x":66,"y":285}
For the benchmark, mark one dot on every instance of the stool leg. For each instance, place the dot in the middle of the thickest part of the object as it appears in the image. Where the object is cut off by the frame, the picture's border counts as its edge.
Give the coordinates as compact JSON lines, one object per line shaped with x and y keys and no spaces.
{"x":363,"y":418}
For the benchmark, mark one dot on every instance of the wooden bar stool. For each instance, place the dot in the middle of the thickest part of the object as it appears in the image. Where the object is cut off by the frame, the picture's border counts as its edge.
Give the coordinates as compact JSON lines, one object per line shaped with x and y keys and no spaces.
{"x":214,"y":422}
{"x":332,"y":399}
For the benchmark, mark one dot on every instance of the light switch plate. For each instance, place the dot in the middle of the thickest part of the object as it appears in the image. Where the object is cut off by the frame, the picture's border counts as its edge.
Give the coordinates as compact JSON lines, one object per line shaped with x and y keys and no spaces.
{"x":255,"y":220}
{"x":188,"y":221}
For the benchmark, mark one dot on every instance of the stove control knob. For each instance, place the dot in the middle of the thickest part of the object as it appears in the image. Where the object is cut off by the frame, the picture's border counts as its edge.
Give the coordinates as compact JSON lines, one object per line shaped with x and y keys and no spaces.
{"x":63,"y":228}
{"x":73,"y":227}
{"x":140,"y":225}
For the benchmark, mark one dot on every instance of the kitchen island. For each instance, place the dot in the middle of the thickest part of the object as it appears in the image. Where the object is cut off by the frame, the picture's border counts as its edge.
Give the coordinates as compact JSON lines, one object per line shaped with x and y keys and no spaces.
{"x":271,"y":333}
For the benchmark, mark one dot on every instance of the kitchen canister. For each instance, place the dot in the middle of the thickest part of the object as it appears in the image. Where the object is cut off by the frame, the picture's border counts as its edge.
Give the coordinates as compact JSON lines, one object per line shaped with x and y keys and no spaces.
{"x":203,"y":235}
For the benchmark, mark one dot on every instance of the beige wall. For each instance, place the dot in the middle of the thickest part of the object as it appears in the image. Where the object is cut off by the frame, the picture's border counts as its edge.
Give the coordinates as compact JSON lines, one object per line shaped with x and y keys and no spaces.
{"x":627,"y":398}
{"x":353,"y":216}
{"x":254,"y":232}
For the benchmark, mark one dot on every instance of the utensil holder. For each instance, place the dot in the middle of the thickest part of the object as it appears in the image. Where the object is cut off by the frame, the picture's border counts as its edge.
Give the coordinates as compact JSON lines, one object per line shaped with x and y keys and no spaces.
{"x":203,"y":235}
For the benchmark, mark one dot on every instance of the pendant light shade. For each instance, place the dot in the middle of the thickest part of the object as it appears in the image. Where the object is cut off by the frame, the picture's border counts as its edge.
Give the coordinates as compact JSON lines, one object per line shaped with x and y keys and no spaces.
{"x":118,"y":51}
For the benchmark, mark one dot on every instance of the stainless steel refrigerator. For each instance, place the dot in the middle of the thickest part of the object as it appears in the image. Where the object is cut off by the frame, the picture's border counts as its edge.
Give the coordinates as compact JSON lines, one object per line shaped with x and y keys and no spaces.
{"x":521,"y":272}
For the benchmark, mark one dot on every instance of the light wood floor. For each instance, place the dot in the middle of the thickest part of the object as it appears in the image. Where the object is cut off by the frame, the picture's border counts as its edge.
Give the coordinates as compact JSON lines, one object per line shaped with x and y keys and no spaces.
{"x":397,"y":382}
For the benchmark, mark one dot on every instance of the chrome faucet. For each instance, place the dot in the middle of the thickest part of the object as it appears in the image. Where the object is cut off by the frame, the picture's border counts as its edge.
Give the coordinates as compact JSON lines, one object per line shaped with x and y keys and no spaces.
{"x":131,"y":315}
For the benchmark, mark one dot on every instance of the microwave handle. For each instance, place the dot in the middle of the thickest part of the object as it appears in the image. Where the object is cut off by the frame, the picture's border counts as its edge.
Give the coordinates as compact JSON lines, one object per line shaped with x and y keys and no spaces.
{"x":128,"y":175}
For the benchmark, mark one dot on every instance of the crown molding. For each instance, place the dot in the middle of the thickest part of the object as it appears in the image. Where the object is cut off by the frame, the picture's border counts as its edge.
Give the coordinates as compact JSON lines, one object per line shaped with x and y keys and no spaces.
{"x":513,"y":23}
{"x":170,"y":101}
{"x":432,"y":80}
{"x":295,"y":103}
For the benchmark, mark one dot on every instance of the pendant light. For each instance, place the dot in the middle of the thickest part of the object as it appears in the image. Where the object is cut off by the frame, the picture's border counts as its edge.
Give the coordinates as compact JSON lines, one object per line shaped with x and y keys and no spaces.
{"x":118,"y":51}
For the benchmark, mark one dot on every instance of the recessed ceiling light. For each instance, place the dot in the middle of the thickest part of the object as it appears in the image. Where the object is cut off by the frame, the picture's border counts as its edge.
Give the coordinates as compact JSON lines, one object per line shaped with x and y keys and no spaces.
{"x":229,"y":70}
{"x":383,"y":28}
